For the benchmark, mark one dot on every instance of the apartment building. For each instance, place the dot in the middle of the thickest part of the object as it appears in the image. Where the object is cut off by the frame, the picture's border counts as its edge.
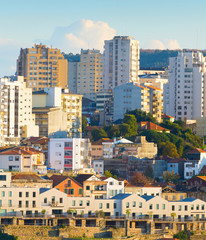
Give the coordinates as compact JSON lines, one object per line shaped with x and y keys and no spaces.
{"x":121,"y":61}
{"x":65,"y":106}
{"x":187,"y":73}
{"x":69,"y":153}
{"x":42,"y":67}
{"x":16,"y":110}
{"x":72,"y":76}
{"x":128,"y":97}
{"x":90,"y":73}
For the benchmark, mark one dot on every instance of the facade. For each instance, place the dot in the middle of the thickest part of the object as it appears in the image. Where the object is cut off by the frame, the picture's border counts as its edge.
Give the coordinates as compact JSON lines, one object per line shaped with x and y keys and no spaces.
{"x":42,"y":67}
{"x":156,"y":102}
{"x":69,"y":104}
{"x":194,"y":163}
{"x":128,"y":97}
{"x":121,"y":61}
{"x":16,"y":107}
{"x":187,"y":86}
{"x":67,"y":185}
{"x":98,"y":165}
{"x":114,"y":187}
{"x":72,"y":77}
{"x":51,"y":121}
{"x":22,"y":159}
{"x":69,"y":153}
{"x":90,"y":73}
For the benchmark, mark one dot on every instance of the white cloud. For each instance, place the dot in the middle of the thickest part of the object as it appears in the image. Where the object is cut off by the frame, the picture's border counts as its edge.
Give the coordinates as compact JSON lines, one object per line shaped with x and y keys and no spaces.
{"x":171,"y":44}
{"x":82,"y":34}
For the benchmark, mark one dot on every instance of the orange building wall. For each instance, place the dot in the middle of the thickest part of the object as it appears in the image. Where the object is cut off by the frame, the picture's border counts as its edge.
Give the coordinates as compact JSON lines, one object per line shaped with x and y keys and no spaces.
{"x":63,"y":185}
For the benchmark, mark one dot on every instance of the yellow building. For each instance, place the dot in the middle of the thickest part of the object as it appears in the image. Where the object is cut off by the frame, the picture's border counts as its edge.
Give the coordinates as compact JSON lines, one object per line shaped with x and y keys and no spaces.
{"x":90,"y":73}
{"x":72,"y":105}
{"x":42,"y":67}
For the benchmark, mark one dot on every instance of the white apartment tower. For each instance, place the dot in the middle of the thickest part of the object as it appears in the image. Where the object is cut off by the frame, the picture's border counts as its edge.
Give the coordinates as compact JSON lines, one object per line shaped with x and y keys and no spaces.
{"x":187,"y":95}
{"x":16,"y":105}
{"x":90,"y":73}
{"x":121,"y":61}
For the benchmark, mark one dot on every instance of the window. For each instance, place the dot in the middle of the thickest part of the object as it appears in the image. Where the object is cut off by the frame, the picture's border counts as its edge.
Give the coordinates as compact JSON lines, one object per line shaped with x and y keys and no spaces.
{"x":66,"y":191}
{"x":157,"y":206}
{"x":16,"y":158}
{"x":140,"y":204}
{"x":203,"y":207}
{"x":115,"y":205}
{"x":192,"y":207}
{"x":61,"y":200}
{"x":80,"y":203}
{"x":71,"y":191}
{"x":0,"y":203}
{"x":45,"y":200}
{"x":27,"y":204}
{"x":10,"y":203}
{"x":68,"y":153}
{"x":69,"y":183}
{"x":197,"y":207}
{"x":173,"y":208}
{"x":163,"y":206}
{"x":179,"y":208}
{"x":3,"y":193}
{"x":100,"y":205}
{"x":80,"y":191}
{"x":2,"y":177}
{"x":68,"y":144}
{"x":107,"y":205}
{"x":88,"y":203}
{"x":34,"y":194}
{"x":185,"y":207}
{"x":127,"y":205}
{"x":33,"y":203}
{"x":134,"y":204}
{"x":87,"y":187}
{"x":10,"y":158}
{"x":20,"y":194}
{"x":20,"y":204}
{"x":27,"y":194}
{"x":73,"y":202}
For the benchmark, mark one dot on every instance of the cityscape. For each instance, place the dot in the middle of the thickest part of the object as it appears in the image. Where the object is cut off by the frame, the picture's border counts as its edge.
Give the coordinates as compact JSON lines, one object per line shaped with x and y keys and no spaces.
{"x":102,"y":134}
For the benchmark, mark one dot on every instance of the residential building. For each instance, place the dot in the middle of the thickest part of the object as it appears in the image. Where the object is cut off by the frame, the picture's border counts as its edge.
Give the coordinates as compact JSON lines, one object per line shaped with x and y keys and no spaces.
{"x":121,"y":61}
{"x":22,"y":159}
{"x":69,"y":105}
{"x":176,"y":166}
{"x":98,"y":165}
{"x":25,"y":179}
{"x":72,"y":105}
{"x":128,"y":97}
{"x":102,"y":98}
{"x":90,"y":73}
{"x":187,"y":86}
{"x":2,"y":129}
{"x":42,"y":67}
{"x":156,"y":102}
{"x":151,"y":126}
{"x":114,"y":187}
{"x":67,"y":185}
{"x":72,"y":77}
{"x":197,"y":182}
{"x":97,"y":149}
{"x":16,"y":108}
{"x":52,"y":121}
{"x":69,"y":153}
{"x":92,"y":186}
{"x":194,"y":163}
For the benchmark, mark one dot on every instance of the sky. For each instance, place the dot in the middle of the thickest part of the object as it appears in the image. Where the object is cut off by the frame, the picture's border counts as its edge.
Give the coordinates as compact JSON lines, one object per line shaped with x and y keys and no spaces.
{"x":71,"y":25}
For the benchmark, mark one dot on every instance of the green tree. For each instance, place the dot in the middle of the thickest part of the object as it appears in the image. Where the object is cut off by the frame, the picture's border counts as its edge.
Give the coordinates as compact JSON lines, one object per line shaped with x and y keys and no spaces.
{"x":142,"y":116}
{"x":98,"y":134}
{"x":124,"y":129}
{"x":168,"y":149}
{"x":132,"y":122}
{"x":84,"y":123}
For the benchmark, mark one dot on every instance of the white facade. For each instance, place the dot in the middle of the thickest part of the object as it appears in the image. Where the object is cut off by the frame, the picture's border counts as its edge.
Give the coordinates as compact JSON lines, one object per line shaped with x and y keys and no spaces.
{"x":128,"y":97}
{"x":69,"y":153}
{"x":16,"y":104}
{"x":187,"y":95}
{"x":98,"y":166}
{"x":121,"y":61}
{"x":114,"y":187}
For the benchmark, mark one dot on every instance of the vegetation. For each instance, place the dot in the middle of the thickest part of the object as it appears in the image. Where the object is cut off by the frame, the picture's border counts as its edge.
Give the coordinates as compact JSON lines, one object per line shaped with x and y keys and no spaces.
{"x":139,"y":178}
{"x":128,"y":211}
{"x":142,"y":116}
{"x":84,"y":123}
{"x":173,"y":215}
{"x":183,"y":235}
{"x":5,"y":236}
{"x":171,"y":177}
{"x":108,"y":174}
{"x":98,"y":134}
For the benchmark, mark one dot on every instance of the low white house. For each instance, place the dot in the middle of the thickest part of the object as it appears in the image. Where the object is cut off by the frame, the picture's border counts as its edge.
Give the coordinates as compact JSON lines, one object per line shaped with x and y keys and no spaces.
{"x":114,"y":187}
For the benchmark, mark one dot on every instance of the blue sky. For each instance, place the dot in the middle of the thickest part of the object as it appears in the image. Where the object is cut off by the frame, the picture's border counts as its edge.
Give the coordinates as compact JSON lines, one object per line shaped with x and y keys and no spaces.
{"x":156,"y":24}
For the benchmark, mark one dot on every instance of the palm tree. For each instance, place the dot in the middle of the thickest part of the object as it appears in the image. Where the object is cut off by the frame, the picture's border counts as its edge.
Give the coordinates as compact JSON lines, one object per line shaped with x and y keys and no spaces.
{"x":173,"y":215}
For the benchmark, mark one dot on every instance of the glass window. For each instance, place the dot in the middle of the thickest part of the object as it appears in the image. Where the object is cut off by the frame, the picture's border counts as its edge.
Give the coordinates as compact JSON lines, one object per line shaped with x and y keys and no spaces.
{"x":73,"y":202}
{"x":34,"y":194}
{"x":61,"y":200}
{"x":0,"y":203}
{"x":87,"y":187}
{"x":80,"y":203}
{"x":115,"y":205}
{"x":157,"y":206}
{"x":27,"y":194}
{"x":134,"y":204}
{"x":173,"y":208}
{"x":192,"y":207}
{"x":127,"y":205}
{"x":3,"y":193}
{"x":2,"y":177}
{"x":140,"y":204}
{"x":68,"y":144}
{"x":88,"y":203}
{"x":185,"y":207}
{"x":27,"y":203}
{"x":10,"y":158}
{"x":107,"y":205}
{"x":179,"y":208}
{"x":203,"y":207}
{"x":197,"y":207}
{"x":100,"y":205}
{"x":20,"y":194}
{"x":150,"y":206}
{"x":9,"y":203}
{"x":10,"y":193}
{"x":163,"y":206}
{"x":80,"y":191}
{"x":45,"y":200}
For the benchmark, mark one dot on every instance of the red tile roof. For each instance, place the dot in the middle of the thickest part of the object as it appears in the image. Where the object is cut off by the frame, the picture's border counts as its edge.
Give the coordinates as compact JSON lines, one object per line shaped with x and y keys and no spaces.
{"x":152,"y":126}
{"x":20,"y":151}
{"x":196,"y":150}
{"x":57,"y":179}
{"x":166,"y":116}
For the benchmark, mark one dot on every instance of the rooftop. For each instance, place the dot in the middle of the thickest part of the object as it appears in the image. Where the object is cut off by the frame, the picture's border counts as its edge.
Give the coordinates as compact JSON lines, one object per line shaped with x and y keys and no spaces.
{"x":121,"y":196}
{"x":147,"y":198}
{"x":152,"y":126}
